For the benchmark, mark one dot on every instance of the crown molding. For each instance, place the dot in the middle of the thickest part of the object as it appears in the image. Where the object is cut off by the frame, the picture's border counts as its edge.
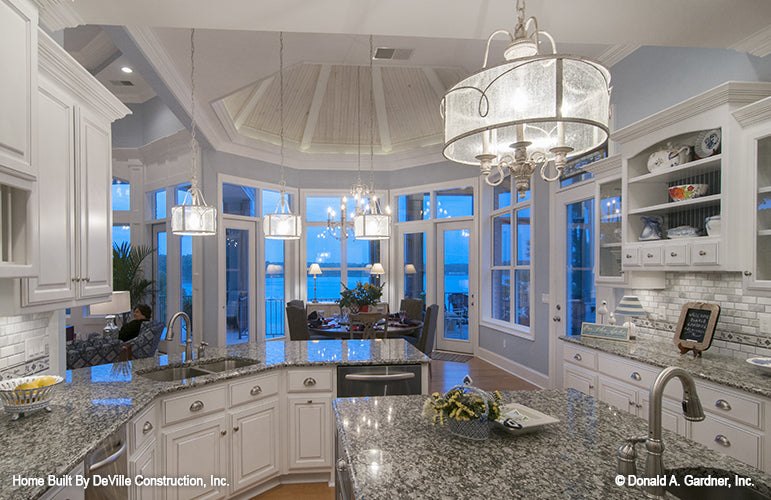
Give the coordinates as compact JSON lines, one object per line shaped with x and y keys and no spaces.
{"x":754,"y":113}
{"x":66,"y":72}
{"x":616,"y":53}
{"x":605,"y":166}
{"x":56,"y":15}
{"x":736,"y":93}
{"x":757,"y":44}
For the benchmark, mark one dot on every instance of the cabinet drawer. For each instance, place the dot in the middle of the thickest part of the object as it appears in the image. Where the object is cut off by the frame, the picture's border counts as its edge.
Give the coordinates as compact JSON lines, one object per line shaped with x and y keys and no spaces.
{"x":639,"y":376}
{"x":704,"y":254}
{"x":651,"y":256}
{"x":676,"y":254}
{"x":725,"y":437}
{"x":142,"y":427}
{"x":309,"y":380}
{"x":727,"y":404}
{"x":253,"y":389}
{"x":580,"y":380}
{"x":630,"y":257}
{"x":578,"y":356}
{"x":193,"y":405}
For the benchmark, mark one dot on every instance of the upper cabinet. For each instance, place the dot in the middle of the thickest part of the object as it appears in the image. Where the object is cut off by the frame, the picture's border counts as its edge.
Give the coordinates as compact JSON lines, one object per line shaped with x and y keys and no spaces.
{"x":756,"y":122}
{"x":684,"y":181}
{"x":18,"y":108}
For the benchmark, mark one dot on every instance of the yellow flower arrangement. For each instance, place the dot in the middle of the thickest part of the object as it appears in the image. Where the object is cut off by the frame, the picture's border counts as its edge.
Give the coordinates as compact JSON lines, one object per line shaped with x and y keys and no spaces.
{"x":462,"y":404}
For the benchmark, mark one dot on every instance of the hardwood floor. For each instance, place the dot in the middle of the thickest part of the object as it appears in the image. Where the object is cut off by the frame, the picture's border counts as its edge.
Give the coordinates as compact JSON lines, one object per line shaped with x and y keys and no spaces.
{"x":444,"y":375}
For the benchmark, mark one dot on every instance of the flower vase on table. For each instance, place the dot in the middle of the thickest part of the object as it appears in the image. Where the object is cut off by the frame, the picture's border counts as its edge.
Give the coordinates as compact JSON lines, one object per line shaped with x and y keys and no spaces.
{"x":468,"y":411}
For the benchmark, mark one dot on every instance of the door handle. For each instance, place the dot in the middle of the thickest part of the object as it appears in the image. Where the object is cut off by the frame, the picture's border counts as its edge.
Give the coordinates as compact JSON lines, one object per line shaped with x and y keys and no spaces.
{"x":556,"y":319}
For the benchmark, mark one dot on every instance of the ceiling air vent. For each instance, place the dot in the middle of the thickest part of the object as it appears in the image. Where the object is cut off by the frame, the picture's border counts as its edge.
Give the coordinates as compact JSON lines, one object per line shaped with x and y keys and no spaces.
{"x":122,"y":83}
{"x":386,"y":54}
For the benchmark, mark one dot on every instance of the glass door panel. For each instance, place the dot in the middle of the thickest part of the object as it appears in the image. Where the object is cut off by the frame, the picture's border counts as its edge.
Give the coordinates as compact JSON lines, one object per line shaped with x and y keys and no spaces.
{"x":415,"y":266}
{"x":453,"y":286}
{"x":579,"y":284}
{"x":237,"y":258}
{"x":274,"y":288}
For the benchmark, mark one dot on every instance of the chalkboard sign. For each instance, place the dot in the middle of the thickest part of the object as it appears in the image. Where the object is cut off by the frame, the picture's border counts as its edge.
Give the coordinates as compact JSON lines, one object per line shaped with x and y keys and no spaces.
{"x":605,"y":331}
{"x":696,"y":326}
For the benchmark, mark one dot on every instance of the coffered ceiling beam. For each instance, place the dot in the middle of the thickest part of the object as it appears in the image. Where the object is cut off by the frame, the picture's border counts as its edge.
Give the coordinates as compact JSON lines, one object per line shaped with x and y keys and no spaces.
{"x":251,"y":102}
{"x":313,"y":113}
{"x":435,"y":82}
{"x":380,"y":110}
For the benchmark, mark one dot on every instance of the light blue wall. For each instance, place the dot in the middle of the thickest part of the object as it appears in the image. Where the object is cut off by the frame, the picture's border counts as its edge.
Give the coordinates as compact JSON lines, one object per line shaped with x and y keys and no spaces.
{"x":148,"y":122}
{"x":654,"y":78}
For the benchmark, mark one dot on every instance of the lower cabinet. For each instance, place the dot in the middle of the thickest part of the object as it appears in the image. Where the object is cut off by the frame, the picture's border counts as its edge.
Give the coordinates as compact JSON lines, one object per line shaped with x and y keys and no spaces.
{"x":254,"y":454}
{"x":310,"y":436}
{"x":145,"y":464}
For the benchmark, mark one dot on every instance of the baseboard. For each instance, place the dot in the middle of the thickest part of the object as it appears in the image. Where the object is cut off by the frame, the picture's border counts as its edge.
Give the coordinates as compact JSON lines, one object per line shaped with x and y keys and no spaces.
{"x":536,"y":378}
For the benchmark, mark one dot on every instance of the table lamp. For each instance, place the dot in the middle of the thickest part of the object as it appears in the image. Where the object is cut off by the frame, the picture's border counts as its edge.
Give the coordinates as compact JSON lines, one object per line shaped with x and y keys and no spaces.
{"x":630,"y":306}
{"x":315,"y":270}
{"x":377,"y":271}
{"x":120,"y":302}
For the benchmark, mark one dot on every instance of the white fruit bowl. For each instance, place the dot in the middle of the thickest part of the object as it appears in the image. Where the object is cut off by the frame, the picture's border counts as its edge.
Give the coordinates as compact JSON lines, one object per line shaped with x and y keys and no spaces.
{"x":18,"y":402}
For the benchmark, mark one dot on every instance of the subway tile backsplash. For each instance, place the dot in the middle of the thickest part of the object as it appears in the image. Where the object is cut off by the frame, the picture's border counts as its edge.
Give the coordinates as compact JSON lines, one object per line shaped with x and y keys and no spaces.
{"x":738,"y":331}
{"x":16,"y":334}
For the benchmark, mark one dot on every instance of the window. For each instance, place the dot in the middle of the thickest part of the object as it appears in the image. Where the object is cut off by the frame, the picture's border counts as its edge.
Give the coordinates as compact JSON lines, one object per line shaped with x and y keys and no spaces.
{"x":510,"y":268}
{"x":274,"y":288}
{"x":121,"y":195}
{"x":156,"y":201}
{"x":238,"y":200}
{"x":456,"y":202}
{"x":414,"y":207}
{"x":121,"y":233}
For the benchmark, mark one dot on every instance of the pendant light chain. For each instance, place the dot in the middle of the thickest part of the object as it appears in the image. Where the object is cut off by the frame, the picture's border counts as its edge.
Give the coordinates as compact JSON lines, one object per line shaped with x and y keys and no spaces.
{"x":281,"y":108}
{"x":193,"y":143}
{"x":371,"y":122}
{"x":358,"y":124}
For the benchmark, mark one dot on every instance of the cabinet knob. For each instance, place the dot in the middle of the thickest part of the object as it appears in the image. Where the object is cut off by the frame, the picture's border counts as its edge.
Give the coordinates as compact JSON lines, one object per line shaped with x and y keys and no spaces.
{"x":628,"y":256}
{"x":723,"y":404}
{"x":556,"y":319}
{"x":702,"y":252}
{"x":196,"y":406}
{"x":636,"y":376}
{"x":147,"y":427}
{"x":673,"y":254}
{"x":748,"y":273}
{"x":255,"y":390}
{"x":577,"y":357}
{"x":223,"y":433}
{"x":310,"y":401}
{"x":638,"y":405}
{"x":309,"y":382}
{"x":650,"y":255}
{"x":722,"y":440}
{"x":591,"y":386}
{"x":235,"y":429}
{"x":87,"y":279}
{"x":631,"y":403}
{"x":75,"y":280}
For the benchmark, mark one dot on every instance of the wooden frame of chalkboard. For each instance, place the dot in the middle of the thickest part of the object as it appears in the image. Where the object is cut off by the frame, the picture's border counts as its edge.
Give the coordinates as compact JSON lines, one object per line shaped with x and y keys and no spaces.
{"x":696,"y":326}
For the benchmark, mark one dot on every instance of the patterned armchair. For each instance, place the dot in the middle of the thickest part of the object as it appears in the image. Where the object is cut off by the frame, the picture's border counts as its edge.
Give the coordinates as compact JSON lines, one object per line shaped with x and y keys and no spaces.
{"x":99,"y":349}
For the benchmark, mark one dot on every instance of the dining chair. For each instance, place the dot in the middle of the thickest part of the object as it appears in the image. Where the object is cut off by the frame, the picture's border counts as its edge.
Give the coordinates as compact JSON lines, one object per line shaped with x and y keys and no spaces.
{"x":298,"y":323}
{"x":296,"y":303}
{"x":426,"y":342}
{"x":413,"y":307}
{"x":367,"y":323}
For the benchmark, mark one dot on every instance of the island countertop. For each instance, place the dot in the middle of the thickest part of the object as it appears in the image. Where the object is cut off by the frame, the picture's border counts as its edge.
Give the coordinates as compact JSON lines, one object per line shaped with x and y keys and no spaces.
{"x":711,"y":366}
{"x":94,"y":402}
{"x":574,"y":458}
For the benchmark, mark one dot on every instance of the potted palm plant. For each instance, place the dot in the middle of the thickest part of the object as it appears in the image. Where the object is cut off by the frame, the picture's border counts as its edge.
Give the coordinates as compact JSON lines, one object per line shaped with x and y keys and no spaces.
{"x":128,"y":272}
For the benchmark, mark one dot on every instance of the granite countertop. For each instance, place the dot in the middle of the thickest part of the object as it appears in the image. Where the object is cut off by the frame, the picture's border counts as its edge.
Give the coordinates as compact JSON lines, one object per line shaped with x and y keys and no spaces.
{"x":711,"y":366}
{"x":574,"y":458}
{"x":94,"y":402}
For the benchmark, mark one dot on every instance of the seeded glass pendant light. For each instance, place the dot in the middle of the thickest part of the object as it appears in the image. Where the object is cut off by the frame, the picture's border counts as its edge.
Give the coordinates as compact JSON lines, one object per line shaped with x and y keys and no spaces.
{"x":193,"y":217}
{"x":531,"y":111}
{"x":371,"y":223}
{"x":282,"y":224}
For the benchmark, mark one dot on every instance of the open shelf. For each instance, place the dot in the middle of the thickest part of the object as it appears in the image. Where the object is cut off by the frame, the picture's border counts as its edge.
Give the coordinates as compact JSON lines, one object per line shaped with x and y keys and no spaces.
{"x":764,"y":190}
{"x":697,"y":167}
{"x":703,"y":201}
{"x":610,"y":245}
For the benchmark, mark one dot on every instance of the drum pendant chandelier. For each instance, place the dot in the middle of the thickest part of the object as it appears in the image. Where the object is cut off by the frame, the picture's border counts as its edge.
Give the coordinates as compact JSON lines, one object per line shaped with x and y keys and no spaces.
{"x":529,"y":111}
{"x":282,"y":224}
{"x":193,"y":217}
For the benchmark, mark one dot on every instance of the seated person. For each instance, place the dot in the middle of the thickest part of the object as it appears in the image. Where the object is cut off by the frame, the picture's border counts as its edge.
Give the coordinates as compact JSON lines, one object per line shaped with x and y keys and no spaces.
{"x":142,"y":312}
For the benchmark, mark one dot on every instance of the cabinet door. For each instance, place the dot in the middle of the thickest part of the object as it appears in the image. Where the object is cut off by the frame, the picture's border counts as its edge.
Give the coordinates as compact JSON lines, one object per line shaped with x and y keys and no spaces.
{"x":254,"y":454}
{"x":18,"y":58}
{"x":310,"y":431}
{"x":144,"y":464}
{"x":622,"y":396}
{"x":56,"y":213}
{"x":199,"y":450}
{"x":95,"y":183}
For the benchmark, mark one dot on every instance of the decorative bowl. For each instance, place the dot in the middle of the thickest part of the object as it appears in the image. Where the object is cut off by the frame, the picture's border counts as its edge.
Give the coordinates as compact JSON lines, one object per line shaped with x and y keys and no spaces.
{"x":20,"y":401}
{"x":668,"y":157}
{"x":712,"y":225}
{"x":762,"y":363}
{"x":682,"y":232}
{"x":687,"y":191}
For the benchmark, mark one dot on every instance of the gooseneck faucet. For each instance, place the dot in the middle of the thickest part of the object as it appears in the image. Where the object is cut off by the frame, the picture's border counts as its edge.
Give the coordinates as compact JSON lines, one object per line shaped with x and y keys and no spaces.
{"x":692,"y":411}
{"x":189,"y":339}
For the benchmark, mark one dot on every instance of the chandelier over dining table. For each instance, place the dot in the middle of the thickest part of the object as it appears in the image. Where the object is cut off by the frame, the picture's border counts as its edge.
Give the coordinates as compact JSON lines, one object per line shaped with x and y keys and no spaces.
{"x":533,"y":110}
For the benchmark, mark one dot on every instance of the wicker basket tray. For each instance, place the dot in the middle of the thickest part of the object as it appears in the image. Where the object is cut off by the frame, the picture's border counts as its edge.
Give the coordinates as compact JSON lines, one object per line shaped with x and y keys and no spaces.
{"x":26,"y":400}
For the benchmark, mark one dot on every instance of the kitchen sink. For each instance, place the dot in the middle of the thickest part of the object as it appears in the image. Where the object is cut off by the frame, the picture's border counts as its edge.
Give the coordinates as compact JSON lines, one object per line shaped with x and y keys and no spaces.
{"x":759,"y":491}
{"x":223,"y":365}
{"x":172,"y":373}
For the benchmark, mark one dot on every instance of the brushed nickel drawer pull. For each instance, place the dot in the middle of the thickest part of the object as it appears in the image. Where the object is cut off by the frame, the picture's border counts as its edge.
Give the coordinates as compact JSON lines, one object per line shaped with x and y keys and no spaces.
{"x":196,"y":406}
{"x":748,"y":273}
{"x":636,"y":376}
{"x":577,"y":357}
{"x":702,"y":252}
{"x":628,"y":256}
{"x":650,"y":255}
{"x":255,"y":390}
{"x":310,"y":401}
{"x":147,"y":427}
{"x":721,"y":439}
{"x":723,"y":404}
{"x":309,"y":382}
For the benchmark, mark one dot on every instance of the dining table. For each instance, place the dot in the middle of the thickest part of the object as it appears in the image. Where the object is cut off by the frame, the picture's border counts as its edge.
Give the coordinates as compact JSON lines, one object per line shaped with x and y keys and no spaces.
{"x":340,"y":329}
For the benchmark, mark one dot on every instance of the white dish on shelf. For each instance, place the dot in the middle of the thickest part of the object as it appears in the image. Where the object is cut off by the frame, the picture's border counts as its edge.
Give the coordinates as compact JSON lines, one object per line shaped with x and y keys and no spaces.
{"x":682,"y":232}
{"x":762,"y":363}
{"x":519,"y":419}
{"x":707,"y":143}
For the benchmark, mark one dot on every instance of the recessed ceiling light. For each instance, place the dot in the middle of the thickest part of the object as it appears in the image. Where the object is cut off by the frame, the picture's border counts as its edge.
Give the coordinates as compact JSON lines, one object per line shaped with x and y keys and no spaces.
{"x":126,"y":69}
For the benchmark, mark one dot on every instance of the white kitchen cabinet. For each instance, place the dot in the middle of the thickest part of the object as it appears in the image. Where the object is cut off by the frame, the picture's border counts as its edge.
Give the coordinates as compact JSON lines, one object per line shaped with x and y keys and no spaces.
{"x":646,"y":194}
{"x":73,"y":492}
{"x":254,"y":455}
{"x":309,"y":417}
{"x":756,"y":122}
{"x":145,"y":464}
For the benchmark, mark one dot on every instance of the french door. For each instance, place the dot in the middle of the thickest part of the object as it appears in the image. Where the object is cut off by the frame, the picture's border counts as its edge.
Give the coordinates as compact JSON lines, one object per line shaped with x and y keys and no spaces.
{"x":456,"y":277}
{"x":238,"y":282}
{"x":572,"y":287}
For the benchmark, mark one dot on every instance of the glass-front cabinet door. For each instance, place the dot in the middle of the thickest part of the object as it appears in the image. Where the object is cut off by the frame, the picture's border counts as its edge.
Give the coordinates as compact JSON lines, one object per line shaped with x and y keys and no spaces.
{"x":608,"y":223}
{"x":762,"y":251}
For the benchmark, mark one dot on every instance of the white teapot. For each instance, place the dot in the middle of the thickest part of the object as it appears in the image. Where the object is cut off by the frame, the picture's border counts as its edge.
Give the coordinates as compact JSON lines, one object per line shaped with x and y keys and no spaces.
{"x":668,"y":157}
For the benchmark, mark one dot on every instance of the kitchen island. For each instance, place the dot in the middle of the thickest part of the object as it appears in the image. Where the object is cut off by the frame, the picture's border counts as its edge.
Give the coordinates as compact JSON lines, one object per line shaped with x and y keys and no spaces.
{"x":95,"y":402}
{"x":390,"y":450}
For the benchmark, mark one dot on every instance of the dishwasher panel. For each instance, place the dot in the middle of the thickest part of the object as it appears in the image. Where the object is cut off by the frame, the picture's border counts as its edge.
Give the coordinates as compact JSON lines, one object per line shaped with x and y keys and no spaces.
{"x":378,"y":380}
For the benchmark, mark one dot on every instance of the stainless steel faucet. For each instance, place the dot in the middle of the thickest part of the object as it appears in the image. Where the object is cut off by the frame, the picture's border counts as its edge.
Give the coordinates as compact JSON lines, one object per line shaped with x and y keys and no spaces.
{"x":654,"y":463}
{"x":189,"y":339}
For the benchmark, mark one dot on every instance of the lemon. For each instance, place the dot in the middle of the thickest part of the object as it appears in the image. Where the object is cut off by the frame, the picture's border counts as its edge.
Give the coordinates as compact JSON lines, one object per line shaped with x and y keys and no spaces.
{"x":44,"y":381}
{"x":25,"y":385}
